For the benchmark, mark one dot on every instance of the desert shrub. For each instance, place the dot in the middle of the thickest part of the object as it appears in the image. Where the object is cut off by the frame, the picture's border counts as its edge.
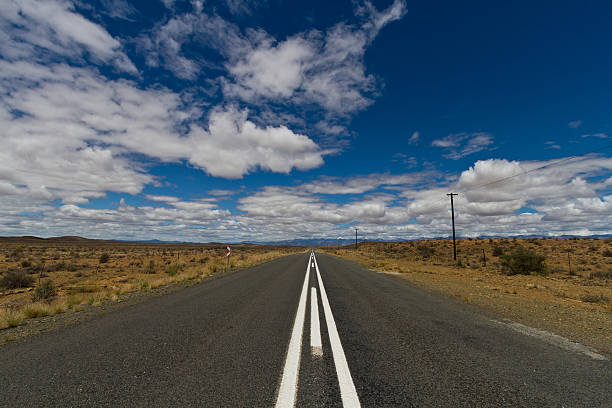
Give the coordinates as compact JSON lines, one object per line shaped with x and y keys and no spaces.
{"x":144,"y":285}
{"x":524,"y":262}
{"x":173,"y":269}
{"x":72,"y":267}
{"x":588,"y":298}
{"x":16,"y":253}
{"x":44,"y":291}
{"x":150,"y":269}
{"x":556,"y":269}
{"x":16,"y":279}
{"x":104,"y":258}
{"x":425,"y":251}
{"x":35,"y":310}
{"x":26,"y":264}
{"x":601,"y":274}
{"x":83,"y":289}
{"x":12,"y":318}
{"x":607,"y":253}
{"x":498,"y":251}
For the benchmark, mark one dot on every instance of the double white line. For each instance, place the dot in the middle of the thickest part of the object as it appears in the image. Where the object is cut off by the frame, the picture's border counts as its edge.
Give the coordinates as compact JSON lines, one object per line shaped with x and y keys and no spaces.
{"x":289,"y":383}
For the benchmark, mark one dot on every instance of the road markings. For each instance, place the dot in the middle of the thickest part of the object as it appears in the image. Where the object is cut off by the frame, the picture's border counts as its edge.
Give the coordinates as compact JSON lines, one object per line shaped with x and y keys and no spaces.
{"x":289,"y":382}
{"x":315,"y":326}
{"x":347,"y":387}
{"x":553,"y":339}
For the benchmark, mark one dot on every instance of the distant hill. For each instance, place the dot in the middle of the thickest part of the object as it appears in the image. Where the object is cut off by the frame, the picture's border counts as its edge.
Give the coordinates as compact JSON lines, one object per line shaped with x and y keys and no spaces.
{"x":304,"y":242}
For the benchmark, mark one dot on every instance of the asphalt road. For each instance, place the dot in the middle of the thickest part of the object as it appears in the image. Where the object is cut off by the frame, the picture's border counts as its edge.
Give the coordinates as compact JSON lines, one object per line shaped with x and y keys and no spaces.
{"x":227,"y":343}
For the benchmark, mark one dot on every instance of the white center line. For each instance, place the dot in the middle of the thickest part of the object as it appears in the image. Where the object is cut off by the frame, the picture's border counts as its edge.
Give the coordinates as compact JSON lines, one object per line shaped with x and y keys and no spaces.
{"x":347,"y":387}
{"x":315,"y":326}
{"x":288,"y":387}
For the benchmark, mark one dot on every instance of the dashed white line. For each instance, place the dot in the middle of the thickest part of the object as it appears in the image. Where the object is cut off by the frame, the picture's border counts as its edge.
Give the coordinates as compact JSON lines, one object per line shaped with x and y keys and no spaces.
{"x":289,"y":382}
{"x":315,"y":326}
{"x":350,"y":399}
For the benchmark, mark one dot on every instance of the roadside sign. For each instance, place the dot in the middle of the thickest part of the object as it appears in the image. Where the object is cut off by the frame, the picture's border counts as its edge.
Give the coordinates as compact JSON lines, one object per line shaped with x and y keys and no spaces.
{"x":228,"y":252}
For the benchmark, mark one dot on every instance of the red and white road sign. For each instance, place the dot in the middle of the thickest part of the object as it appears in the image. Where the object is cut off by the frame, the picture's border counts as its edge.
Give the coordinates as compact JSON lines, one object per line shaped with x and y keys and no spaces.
{"x":228,"y":252}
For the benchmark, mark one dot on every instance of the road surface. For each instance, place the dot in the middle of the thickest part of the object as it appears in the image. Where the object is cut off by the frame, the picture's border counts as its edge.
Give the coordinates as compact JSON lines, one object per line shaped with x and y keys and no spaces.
{"x":254,"y":338}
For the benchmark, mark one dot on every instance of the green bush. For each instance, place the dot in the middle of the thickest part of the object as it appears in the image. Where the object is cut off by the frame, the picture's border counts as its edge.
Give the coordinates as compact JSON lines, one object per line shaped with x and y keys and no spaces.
{"x":44,"y":291}
{"x":498,"y":251}
{"x":16,"y":279}
{"x":173,"y":269}
{"x":522,"y":261}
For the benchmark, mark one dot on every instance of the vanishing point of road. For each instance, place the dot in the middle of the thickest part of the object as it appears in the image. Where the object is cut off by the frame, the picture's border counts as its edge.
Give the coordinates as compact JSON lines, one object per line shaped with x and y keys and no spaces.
{"x":307,"y":330}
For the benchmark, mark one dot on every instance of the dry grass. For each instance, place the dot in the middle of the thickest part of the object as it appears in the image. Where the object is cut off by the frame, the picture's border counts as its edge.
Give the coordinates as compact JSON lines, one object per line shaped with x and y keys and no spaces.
{"x":93,"y":272}
{"x":585,"y":274}
{"x":571,"y":298}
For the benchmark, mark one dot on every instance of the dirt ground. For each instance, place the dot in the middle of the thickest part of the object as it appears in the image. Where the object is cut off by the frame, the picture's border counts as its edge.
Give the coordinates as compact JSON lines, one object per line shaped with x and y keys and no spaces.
{"x":87,"y":273}
{"x":572,"y":297}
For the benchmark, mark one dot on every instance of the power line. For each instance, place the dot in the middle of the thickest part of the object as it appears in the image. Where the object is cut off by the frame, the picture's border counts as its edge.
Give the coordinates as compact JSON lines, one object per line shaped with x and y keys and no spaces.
{"x":537,"y":168}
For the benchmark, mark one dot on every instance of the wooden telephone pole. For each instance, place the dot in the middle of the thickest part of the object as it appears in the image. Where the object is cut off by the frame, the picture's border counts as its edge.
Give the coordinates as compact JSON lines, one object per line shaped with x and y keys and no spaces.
{"x":453,"y":218}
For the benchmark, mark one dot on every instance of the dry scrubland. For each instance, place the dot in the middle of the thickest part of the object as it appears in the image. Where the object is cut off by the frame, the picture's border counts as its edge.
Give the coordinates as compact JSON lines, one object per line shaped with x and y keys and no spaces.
{"x":45,"y":278}
{"x":572,"y":299}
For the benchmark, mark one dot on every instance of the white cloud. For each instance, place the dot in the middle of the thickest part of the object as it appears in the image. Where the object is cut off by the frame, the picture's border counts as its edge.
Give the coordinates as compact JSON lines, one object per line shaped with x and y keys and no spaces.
{"x":30,"y":26}
{"x":567,"y":197}
{"x":270,"y":70}
{"x":68,"y":133}
{"x":575,"y":124}
{"x":162,"y":198}
{"x":599,"y":135}
{"x":414,"y":139}
{"x":243,"y":7}
{"x":311,"y":67}
{"x":552,"y":145}
{"x":363,"y":184}
{"x":233,"y":146}
{"x":459,"y":145}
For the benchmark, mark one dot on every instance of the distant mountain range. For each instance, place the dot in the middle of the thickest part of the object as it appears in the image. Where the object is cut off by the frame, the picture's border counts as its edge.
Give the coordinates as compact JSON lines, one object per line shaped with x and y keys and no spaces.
{"x":307,"y":242}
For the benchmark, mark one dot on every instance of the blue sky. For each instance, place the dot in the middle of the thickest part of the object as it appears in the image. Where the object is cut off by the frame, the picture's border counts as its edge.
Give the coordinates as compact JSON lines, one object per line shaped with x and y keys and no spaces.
{"x":245,"y":120}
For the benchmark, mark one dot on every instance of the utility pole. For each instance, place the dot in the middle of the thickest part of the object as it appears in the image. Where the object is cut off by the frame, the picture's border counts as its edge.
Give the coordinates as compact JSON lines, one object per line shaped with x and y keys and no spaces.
{"x":355,"y":239}
{"x":453,"y":218}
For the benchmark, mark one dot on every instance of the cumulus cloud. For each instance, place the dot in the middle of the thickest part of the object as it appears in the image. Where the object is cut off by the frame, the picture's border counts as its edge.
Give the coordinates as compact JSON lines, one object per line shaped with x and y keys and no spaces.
{"x":312,"y":67}
{"x":69,"y":131}
{"x":233,"y":146}
{"x":72,"y":133}
{"x":321,"y":68}
{"x":33,"y":28}
{"x":568,"y":197}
